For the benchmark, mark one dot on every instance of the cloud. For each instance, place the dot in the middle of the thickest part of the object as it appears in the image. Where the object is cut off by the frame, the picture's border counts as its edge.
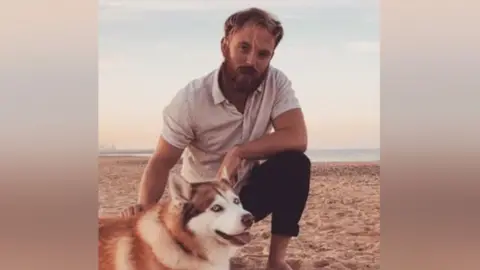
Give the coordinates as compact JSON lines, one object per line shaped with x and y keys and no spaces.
{"x":363,"y":46}
{"x":174,"y":5}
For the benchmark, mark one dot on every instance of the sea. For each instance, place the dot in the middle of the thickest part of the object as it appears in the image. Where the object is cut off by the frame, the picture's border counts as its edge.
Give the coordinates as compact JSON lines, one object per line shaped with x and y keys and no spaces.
{"x":315,"y":155}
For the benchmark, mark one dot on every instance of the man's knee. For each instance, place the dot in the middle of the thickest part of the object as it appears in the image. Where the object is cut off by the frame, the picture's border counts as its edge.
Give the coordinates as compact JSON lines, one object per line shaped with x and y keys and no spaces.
{"x":292,"y":160}
{"x":293,"y":166}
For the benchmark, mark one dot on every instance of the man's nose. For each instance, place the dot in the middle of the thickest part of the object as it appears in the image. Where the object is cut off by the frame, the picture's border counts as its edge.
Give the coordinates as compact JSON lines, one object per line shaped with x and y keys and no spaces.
{"x":250,"y":59}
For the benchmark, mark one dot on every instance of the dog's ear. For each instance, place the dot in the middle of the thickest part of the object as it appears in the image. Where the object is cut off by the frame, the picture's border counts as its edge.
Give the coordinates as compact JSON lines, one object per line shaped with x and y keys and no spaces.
{"x":224,"y":177}
{"x":180,"y":189}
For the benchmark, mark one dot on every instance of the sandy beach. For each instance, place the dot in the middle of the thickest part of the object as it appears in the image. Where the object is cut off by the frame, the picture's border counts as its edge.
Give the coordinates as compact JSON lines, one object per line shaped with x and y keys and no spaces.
{"x":340,"y":228}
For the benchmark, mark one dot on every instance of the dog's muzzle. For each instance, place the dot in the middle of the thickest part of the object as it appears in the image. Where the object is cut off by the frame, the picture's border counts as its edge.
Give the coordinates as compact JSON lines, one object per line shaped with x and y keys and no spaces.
{"x":240,"y":239}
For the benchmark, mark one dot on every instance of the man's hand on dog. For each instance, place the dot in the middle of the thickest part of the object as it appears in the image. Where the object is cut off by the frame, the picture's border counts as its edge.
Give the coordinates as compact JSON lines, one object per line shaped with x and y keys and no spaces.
{"x":231,"y":162}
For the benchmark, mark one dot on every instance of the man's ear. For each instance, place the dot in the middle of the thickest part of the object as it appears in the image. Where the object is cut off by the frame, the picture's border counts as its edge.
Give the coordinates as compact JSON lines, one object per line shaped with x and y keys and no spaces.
{"x":224,"y":47}
{"x":180,"y":189}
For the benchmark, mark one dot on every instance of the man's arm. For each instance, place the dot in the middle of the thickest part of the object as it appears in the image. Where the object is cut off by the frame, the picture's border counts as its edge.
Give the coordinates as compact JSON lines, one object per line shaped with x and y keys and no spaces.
{"x":290,"y":134}
{"x":155,"y":176}
{"x":177,"y":133}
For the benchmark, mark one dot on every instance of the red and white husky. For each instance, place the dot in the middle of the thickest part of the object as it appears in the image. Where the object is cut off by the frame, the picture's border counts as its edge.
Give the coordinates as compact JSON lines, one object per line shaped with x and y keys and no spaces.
{"x":200,"y":227}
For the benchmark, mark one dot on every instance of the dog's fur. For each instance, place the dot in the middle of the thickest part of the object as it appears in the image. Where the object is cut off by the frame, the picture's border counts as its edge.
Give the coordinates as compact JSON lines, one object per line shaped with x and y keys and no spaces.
{"x":182,"y":233}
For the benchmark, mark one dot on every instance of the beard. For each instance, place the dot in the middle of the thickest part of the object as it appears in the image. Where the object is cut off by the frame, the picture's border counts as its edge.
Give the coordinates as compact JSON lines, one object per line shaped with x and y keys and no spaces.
{"x":244,"y":79}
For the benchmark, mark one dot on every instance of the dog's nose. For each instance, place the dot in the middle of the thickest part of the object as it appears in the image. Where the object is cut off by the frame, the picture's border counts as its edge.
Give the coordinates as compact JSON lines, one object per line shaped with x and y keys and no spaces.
{"x":247,"y":220}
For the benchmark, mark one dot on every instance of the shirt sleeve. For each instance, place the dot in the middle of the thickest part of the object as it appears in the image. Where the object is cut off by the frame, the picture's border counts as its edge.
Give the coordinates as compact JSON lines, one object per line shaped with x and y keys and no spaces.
{"x":285,"y":98}
{"x":177,"y":123}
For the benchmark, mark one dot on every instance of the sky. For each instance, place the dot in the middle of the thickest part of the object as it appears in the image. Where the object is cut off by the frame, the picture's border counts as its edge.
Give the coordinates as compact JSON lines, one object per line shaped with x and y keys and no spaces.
{"x":150,"y":49}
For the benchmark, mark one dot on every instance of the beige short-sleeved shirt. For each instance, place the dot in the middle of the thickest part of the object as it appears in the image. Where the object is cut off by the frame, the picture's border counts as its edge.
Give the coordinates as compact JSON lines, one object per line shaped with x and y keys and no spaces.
{"x":200,"y":120}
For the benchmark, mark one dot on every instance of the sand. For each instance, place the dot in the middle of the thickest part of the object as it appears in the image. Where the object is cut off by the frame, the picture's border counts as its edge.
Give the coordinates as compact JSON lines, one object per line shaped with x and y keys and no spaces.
{"x":340,"y":228}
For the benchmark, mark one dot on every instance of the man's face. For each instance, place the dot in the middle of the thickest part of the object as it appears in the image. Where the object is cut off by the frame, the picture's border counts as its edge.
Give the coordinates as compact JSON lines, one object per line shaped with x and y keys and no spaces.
{"x":247,"y":53}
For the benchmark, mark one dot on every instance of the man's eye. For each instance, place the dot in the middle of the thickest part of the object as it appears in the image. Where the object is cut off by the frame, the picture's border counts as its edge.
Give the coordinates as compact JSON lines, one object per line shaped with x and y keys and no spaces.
{"x":216,"y":208}
{"x":244,"y":48}
{"x":263,"y":54}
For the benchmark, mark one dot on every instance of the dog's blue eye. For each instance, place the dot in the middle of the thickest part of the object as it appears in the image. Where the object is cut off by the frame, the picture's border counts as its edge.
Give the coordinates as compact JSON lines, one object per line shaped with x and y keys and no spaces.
{"x":217,"y":208}
{"x":236,"y":201}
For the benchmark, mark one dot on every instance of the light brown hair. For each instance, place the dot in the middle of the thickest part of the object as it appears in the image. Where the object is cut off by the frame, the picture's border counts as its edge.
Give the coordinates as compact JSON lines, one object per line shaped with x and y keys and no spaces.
{"x":256,"y":16}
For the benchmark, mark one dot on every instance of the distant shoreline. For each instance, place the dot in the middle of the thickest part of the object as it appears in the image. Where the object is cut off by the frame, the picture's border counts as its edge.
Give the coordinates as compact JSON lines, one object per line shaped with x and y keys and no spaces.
{"x":316,"y":163}
{"x":369,"y":156}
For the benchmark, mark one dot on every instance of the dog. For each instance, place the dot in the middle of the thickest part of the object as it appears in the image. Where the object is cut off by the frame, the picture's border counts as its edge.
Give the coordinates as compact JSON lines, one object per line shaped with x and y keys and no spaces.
{"x":200,"y":227}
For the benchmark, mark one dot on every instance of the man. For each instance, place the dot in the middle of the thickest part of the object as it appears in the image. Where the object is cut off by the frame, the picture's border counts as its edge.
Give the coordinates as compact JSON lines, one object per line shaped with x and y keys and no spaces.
{"x":223,"y":119}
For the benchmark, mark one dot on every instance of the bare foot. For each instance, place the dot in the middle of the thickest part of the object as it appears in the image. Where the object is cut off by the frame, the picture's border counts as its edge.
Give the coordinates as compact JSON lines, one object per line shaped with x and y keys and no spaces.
{"x":278,"y":266}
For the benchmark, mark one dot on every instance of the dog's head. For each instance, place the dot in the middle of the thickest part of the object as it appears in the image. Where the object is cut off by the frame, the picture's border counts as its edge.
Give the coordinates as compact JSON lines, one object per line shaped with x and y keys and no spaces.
{"x":212,"y":210}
